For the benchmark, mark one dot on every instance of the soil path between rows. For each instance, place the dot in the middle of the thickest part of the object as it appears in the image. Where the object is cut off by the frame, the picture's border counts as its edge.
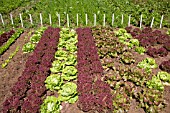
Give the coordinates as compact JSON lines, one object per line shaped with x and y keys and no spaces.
{"x":10,"y":74}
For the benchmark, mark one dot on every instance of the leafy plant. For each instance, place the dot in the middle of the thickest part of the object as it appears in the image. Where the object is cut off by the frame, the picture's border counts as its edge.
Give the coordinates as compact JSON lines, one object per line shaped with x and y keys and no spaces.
{"x":69,"y":73}
{"x":140,"y":50}
{"x":50,"y":105}
{"x":53,"y":82}
{"x":28,"y":47}
{"x":68,"y":92}
{"x":164,"y":76}
{"x":155,"y":83}
{"x":3,"y":65}
{"x":11,"y":40}
{"x":127,"y":58}
{"x":147,"y":64}
{"x":165,"y":66}
{"x":167,"y":45}
{"x":57,"y":66}
{"x":5,"y":36}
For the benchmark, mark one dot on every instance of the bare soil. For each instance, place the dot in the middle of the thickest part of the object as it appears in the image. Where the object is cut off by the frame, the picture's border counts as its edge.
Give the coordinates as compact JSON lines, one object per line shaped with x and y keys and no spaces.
{"x":10,"y":74}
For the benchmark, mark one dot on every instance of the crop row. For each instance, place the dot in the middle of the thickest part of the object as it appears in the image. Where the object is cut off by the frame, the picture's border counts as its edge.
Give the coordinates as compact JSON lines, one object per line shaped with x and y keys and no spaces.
{"x":11,"y":40}
{"x":94,"y":94}
{"x":63,"y":74}
{"x":5,"y":36}
{"x":150,"y":39}
{"x":122,"y":72}
{"x":27,"y":91}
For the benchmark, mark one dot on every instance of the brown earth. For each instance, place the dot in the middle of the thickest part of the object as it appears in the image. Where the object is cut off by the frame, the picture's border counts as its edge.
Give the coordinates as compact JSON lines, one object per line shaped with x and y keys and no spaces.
{"x":10,"y":74}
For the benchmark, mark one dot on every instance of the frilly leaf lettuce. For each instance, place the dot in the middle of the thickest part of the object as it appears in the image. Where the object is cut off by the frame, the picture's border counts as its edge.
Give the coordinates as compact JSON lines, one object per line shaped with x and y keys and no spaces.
{"x":53,"y":82}
{"x":66,"y":34}
{"x":135,"y":42}
{"x":37,"y":35}
{"x":28,"y":47}
{"x":140,"y":50}
{"x":69,"y":73}
{"x":68,"y":91}
{"x":120,"y":32}
{"x":50,"y":105}
{"x":69,"y":70}
{"x":61,"y":55}
{"x":57,"y":66}
{"x":71,"y":60}
{"x":147,"y":64}
{"x":155,"y":83}
{"x":35,"y":38}
{"x":71,"y":47}
{"x":127,"y":35}
{"x":73,"y":99}
{"x":164,"y":76}
{"x":123,"y":38}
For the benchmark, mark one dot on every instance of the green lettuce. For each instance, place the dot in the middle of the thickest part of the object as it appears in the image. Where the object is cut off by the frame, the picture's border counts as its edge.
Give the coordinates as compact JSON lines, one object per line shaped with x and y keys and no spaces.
{"x":120,"y":32}
{"x":68,"y":92}
{"x":28,"y":47}
{"x":127,"y":35}
{"x":57,"y":66}
{"x":71,"y":60}
{"x":71,"y":47}
{"x":135,"y":42}
{"x":53,"y":82}
{"x":69,"y":73}
{"x":140,"y":50}
{"x":50,"y":105}
{"x":61,"y":54}
{"x":147,"y":64}
{"x":155,"y":83}
{"x":164,"y":76}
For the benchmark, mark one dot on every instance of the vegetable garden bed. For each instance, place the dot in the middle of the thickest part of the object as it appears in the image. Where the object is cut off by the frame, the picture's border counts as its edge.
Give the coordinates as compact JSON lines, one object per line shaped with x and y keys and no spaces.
{"x":98,"y":69}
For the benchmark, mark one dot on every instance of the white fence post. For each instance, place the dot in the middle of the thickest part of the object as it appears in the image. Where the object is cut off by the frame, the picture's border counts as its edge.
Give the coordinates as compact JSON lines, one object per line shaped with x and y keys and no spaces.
{"x":41,"y":19}
{"x":59,"y":20}
{"x":12,"y":22}
{"x":122,"y":19}
{"x":94,"y":19}
{"x":50,"y":19}
{"x":31,"y":18}
{"x":104,"y":20}
{"x":86,"y":19}
{"x":77,"y":19}
{"x":152,"y":22}
{"x":21,"y":20}
{"x":129,"y":20}
{"x":141,"y":21}
{"x":2,"y":19}
{"x":112,"y":19}
{"x":68,"y":25}
{"x":161,"y":21}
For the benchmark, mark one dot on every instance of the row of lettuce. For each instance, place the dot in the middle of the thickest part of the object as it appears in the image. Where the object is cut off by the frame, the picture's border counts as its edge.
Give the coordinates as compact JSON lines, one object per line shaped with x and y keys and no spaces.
{"x":128,"y":78}
{"x":156,"y":43}
{"x":7,"y":38}
{"x":27,"y":92}
{"x":152,"y":42}
{"x":94,"y":94}
{"x":63,"y":74}
{"x":54,"y":66}
{"x":69,"y":66}
{"x":50,"y":68}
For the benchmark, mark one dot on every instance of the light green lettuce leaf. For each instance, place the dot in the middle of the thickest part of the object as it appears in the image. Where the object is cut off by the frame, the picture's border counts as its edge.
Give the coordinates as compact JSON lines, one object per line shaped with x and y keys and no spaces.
{"x":53,"y":82}
{"x":50,"y":105}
